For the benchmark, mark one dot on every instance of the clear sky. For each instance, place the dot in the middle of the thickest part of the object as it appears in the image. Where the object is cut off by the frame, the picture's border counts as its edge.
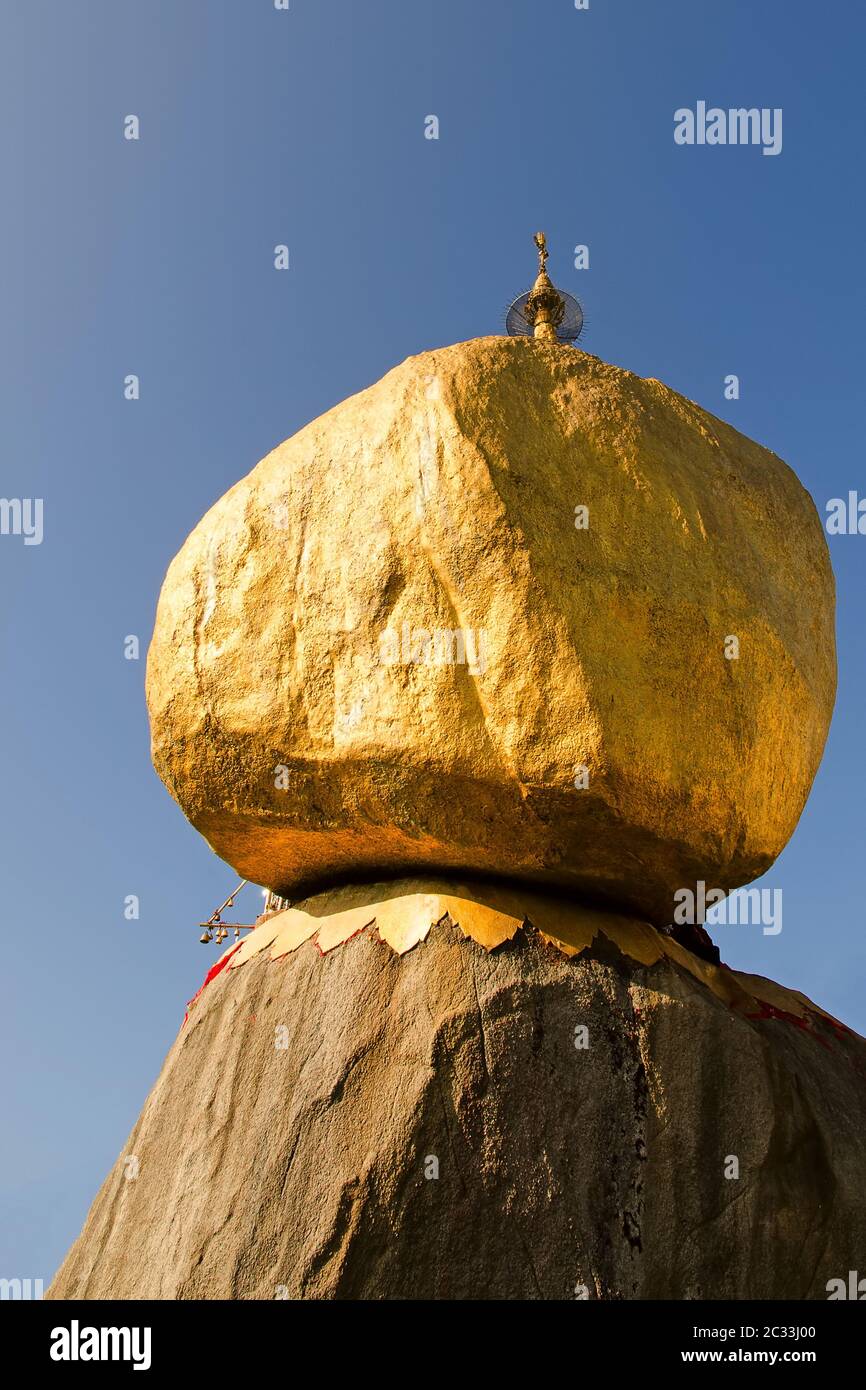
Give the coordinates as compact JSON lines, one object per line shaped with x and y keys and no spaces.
{"x":155,"y":257}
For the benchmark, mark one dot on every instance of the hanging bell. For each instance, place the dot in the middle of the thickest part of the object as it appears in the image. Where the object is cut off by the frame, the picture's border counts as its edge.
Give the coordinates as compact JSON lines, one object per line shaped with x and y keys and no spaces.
{"x":205,"y":938}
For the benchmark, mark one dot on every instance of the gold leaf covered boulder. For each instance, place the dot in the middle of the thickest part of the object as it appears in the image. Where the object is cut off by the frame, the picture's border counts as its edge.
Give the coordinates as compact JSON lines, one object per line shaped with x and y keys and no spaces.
{"x":510,"y":611}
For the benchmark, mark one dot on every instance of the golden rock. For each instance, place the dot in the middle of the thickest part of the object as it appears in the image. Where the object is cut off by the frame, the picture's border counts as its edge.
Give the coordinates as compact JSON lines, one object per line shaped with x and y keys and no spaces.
{"x":510,"y":612}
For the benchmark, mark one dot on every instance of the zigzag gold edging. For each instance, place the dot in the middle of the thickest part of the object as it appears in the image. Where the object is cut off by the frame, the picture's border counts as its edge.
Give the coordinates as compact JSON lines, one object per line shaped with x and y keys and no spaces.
{"x":404,"y":921}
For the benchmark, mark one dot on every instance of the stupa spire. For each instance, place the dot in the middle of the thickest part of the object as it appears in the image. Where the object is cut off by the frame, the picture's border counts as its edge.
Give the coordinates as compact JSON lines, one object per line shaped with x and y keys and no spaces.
{"x":545,"y":312}
{"x":545,"y":307}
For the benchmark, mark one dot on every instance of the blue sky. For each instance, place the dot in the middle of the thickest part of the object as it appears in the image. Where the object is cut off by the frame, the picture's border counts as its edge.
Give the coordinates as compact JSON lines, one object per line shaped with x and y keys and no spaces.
{"x":155,"y":257}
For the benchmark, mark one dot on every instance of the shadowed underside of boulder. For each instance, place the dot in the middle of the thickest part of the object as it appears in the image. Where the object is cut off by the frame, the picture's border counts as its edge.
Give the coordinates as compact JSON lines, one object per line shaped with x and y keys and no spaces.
{"x":458,"y":1122}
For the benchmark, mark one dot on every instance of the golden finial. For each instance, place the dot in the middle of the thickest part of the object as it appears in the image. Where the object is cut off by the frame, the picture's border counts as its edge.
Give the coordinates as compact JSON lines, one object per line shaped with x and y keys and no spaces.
{"x":545,"y":312}
{"x":545,"y":307}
